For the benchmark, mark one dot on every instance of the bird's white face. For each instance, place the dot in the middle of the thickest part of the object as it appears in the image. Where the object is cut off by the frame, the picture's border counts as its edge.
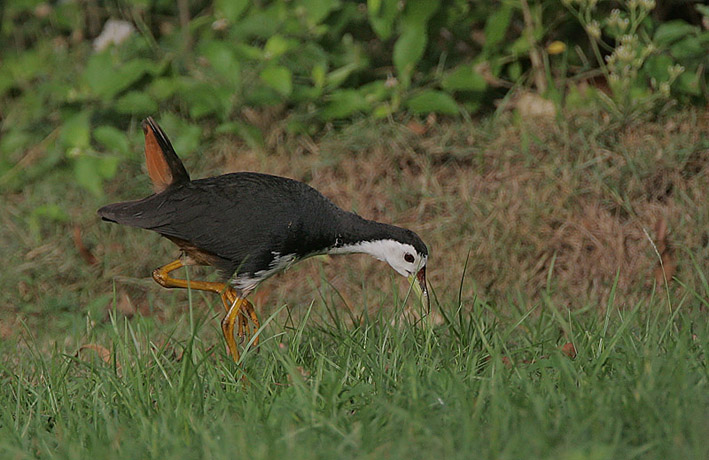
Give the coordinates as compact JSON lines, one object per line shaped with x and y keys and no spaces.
{"x":402,"y":257}
{"x":407,"y":262}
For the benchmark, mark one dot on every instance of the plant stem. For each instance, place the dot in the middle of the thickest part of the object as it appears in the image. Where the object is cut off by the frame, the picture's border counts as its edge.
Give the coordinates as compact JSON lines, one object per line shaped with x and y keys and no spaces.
{"x":534,"y":55}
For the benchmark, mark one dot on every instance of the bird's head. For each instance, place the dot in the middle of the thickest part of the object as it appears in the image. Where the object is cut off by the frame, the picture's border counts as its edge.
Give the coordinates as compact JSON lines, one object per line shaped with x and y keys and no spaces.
{"x":409,"y":261}
{"x":401,"y":248}
{"x":407,"y":254}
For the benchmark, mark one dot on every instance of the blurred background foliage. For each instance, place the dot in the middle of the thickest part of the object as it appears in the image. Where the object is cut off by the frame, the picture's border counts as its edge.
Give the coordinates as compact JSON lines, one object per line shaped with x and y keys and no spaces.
{"x":77,"y":76}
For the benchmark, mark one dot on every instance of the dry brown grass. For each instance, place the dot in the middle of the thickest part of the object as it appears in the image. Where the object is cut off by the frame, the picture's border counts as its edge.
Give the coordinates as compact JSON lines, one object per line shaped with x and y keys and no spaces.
{"x":533,"y":203}
{"x":530,"y":201}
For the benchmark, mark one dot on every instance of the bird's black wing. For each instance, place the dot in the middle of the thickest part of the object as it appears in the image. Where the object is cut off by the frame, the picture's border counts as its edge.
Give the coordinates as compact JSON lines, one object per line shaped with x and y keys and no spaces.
{"x":246,"y":219}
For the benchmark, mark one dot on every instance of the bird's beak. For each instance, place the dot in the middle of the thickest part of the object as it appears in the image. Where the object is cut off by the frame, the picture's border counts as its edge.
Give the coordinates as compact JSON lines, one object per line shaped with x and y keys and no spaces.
{"x":418,"y":282}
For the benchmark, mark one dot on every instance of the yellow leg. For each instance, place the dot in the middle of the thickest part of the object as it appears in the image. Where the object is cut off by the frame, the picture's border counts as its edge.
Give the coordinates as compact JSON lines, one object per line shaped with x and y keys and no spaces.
{"x":228,"y":328}
{"x":246,"y":312}
{"x":162,"y":277}
{"x":254,"y":320}
{"x":233,"y":304}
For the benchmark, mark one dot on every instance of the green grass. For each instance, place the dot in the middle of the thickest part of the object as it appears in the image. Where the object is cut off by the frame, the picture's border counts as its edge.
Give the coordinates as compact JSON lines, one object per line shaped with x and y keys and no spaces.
{"x":550,"y":221}
{"x":481,"y":385}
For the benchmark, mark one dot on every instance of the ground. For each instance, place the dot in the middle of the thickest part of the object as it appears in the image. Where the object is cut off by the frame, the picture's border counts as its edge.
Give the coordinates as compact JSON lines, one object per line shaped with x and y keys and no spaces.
{"x":542,"y":233}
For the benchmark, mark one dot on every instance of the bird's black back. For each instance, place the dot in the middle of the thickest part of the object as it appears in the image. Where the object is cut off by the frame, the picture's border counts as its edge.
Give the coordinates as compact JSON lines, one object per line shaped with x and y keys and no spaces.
{"x":245,"y":219}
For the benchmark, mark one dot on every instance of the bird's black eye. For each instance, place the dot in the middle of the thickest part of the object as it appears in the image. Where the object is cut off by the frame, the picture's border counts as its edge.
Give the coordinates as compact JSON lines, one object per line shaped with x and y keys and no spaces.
{"x":409,"y":258}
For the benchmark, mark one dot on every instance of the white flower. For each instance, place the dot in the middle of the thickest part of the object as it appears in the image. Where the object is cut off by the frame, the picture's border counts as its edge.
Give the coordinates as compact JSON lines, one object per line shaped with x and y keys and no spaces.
{"x":594,"y":30}
{"x":615,"y":20}
{"x":625,"y":53}
{"x":114,"y":32}
{"x":675,"y":71}
{"x":647,"y":4}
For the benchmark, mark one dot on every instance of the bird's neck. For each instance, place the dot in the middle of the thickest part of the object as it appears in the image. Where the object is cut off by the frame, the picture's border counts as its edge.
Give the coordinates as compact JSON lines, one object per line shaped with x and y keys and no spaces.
{"x":379,"y":249}
{"x":357,"y":235}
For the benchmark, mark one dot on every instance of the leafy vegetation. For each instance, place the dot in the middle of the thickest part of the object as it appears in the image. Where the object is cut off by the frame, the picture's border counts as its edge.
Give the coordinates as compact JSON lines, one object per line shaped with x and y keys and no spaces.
{"x":73,"y":79}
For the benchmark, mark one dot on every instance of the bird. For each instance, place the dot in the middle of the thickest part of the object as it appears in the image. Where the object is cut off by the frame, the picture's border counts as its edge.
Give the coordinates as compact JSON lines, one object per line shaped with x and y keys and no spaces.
{"x":250,"y":226}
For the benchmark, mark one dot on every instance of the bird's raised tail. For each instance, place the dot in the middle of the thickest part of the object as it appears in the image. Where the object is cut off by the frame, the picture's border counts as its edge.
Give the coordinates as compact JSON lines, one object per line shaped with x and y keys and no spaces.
{"x":164,"y":166}
{"x":165,"y":170}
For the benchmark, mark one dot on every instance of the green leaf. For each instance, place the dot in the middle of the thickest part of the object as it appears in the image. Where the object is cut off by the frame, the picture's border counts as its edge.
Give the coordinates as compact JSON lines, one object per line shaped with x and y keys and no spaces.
{"x":6,"y":82}
{"x":263,"y":22}
{"x":520,"y":46}
{"x":432,"y":101}
{"x":247,"y":52}
{"x":514,"y":70}
{"x":90,"y":171}
{"x":106,"y":81}
{"x":689,"y":48}
{"x":317,"y":74}
{"x":131,"y":71}
{"x":99,"y":73}
{"x":688,"y":82}
{"x":669,"y":32}
{"x":14,"y":140}
{"x":338,"y":76}
{"x":344,"y":103}
{"x":112,"y":139}
{"x":318,"y":10}
{"x":67,"y":15}
{"x":51,"y":212}
{"x":408,"y":49}
{"x":157,"y":68}
{"x":162,"y":88}
{"x":230,"y":9}
{"x":375,"y":91}
{"x":136,"y":103}
{"x":276,"y":46}
{"x":497,"y":24}
{"x":76,"y":131}
{"x":185,"y":136}
{"x":223,"y":61}
{"x":107,"y":166}
{"x":472,"y":107}
{"x":464,"y":78}
{"x":418,"y":12}
{"x":382,"y":111}
{"x":25,"y":66}
{"x":657,"y":67}
{"x":411,"y":44}
{"x":262,"y":96}
{"x":249,"y":133}
{"x":204,"y":99}
{"x":382,"y":14}
{"x":278,"y":78}
{"x":302,"y":94}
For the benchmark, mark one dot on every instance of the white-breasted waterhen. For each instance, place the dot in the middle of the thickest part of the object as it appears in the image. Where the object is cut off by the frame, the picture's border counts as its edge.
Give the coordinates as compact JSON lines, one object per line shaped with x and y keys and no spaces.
{"x":250,"y":226}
